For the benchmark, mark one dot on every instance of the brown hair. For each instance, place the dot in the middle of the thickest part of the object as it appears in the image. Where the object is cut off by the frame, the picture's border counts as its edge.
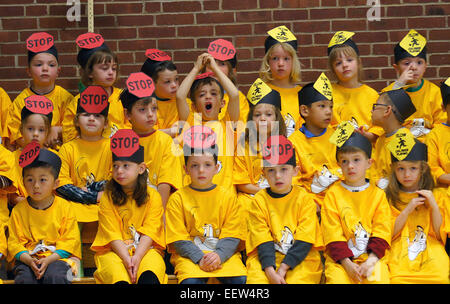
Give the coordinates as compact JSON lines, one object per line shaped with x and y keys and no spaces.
{"x":426,"y":182}
{"x":348,"y":51}
{"x":101,"y":56}
{"x":266,"y":75}
{"x":77,"y":127}
{"x":115,"y":192}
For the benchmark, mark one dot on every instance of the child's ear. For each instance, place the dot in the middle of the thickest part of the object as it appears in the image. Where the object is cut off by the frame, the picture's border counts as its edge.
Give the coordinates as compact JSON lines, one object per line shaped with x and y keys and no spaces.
{"x":126,"y":113}
{"x":56,"y":184}
{"x":370,"y":161}
{"x":296,"y":170}
{"x":222,"y":103}
{"x":304,"y":110}
{"x":142,"y":167}
{"x":396,"y":68}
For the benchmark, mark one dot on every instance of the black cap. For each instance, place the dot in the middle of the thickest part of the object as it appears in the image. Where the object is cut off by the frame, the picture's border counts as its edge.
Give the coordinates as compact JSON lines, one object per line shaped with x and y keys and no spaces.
{"x":342,"y":38}
{"x":401,"y":100}
{"x":280,"y":34}
{"x":418,"y":152}
{"x":445,"y":92}
{"x":260,"y":92}
{"x":359,"y":141}
{"x":33,"y":153}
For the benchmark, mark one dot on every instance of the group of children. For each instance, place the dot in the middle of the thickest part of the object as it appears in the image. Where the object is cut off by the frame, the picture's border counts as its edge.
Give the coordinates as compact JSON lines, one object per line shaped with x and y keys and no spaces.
{"x":329,"y":182}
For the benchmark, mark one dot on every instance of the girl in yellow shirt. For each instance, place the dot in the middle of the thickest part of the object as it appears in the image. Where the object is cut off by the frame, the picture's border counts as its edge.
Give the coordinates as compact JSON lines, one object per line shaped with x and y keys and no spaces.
{"x":130,"y":240}
{"x":417,"y":254}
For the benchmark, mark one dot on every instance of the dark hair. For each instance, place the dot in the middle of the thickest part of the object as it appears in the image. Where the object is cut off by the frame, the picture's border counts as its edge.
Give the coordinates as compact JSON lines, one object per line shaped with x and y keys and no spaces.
{"x":394,"y":108}
{"x":349,"y":149}
{"x":165,"y":65}
{"x":213,"y":151}
{"x":41,"y":164}
{"x":145,"y":100}
{"x":100,"y":56}
{"x":198,"y":83}
{"x":114,"y":190}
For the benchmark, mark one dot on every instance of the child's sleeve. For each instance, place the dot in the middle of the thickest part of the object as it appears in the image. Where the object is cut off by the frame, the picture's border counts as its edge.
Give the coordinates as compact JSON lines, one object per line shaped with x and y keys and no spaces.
{"x":258,"y":227}
{"x":69,"y":234}
{"x":153,"y":225}
{"x":175,"y":223}
{"x":16,"y":235}
{"x":68,"y":128}
{"x":5,"y":103}
{"x":13,"y":119}
{"x":171,"y":171}
{"x":432,"y":142}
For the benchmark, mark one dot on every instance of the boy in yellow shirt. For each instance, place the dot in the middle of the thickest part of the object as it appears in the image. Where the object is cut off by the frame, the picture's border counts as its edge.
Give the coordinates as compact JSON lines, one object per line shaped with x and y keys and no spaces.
{"x":355,"y":219}
{"x":314,"y":152}
{"x":410,"y":64}
{"x":438,"y":142}
{"x":389,"y":112}
{"x":283,"y":229}
{"x":43,"y":68}
{"x":203,"y":222}
{"x":43,"y":232}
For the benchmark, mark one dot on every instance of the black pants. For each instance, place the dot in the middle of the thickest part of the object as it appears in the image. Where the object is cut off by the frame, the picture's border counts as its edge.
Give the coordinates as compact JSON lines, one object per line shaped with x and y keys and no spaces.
{"x":58,"y":272}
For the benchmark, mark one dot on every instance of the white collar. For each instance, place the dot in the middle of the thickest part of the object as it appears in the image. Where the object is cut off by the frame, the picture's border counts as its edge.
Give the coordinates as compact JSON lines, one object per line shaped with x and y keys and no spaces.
{"x":355,"y":189}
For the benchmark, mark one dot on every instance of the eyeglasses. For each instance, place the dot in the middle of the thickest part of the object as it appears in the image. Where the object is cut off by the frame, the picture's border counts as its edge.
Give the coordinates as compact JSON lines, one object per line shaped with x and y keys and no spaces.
{"x":378,"y":104}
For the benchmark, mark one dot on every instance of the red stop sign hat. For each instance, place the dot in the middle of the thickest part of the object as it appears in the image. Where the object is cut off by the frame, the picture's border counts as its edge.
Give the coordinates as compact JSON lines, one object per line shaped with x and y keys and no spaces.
{"x":278,"y":150}
{"x":37,"y":104}
{"x":125,"y":146}
{"x":95,"y":100}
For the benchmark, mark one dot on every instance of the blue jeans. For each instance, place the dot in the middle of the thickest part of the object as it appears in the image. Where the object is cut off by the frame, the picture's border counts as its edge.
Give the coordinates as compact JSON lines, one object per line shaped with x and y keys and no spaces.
{"x":223,"y":280}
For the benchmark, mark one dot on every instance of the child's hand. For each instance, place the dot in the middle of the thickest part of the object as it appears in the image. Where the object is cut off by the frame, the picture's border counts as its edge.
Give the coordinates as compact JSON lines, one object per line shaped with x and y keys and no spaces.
{"x":352,"y":269}
{"x":368,"y":265}
{"x":210,"y":262}
{"x":369,"y":135}
{"x":42,"y":266}
{"x":53,"y":137}
{"x":27,"y":259}
{"x":135,"y":262}
{"x":130,"y":268}
{"x":414,"y":203}
{"x":200,"y":63}
{"x":273,"y":276}
{"x":429,"y":198}
{"x":282,"y":270}
{"x":406,"y":77}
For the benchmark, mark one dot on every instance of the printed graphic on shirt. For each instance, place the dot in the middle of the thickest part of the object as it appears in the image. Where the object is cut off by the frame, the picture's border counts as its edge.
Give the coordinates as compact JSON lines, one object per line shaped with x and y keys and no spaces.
{"x":358,"y":244}
{"x":286,"y":241}
{"x":206,"y":242}
{"x":290,"y":124}
{"x":418,"y":244}
{"x":323,"y":180}
{"x":83,"y":172}
{"x":420,"y":127}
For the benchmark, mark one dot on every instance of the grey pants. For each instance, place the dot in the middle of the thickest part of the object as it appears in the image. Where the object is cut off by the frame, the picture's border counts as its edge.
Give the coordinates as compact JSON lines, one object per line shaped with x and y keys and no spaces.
{"x":58,"y":272}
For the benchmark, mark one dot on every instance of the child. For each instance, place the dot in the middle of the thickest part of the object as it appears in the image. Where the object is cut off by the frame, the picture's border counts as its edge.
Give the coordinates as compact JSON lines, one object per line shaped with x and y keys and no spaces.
{"x":438,"y":141}
{"x":162,"y":70}
{"x":140,"y":107}
{"x":318,"y":168}
{"x":5,"y":103}
{"x":207,"y":94}
{"x":130,"y":240}
{"x":86,"y":160}
{"x":351,"y":97}
{"x":43,"y":232}
{"x":280,"y":69}
{"x":283,"y":229}
{"x":43,"y":68}
{"x":264,"y":119}
{"x":355,"y":219}
{"x":417,"y":255}
{"x":99,"y":66}
{"x":227,"y":63}
{"x":204,"y":228}
{"x":410,"y":56}
{"x":389,"y":112}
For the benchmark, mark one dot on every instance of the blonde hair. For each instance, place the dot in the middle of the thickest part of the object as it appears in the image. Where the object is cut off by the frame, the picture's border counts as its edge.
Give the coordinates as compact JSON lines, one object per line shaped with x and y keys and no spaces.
{"x":344,"y":50}
{"x":101,"y":56}
{"x":426,"y":182}
{"x":265,"y":73}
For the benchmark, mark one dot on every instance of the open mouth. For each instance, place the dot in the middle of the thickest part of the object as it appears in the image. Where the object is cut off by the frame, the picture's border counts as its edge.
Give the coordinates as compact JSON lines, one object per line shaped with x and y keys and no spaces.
{"x":208,"y":106}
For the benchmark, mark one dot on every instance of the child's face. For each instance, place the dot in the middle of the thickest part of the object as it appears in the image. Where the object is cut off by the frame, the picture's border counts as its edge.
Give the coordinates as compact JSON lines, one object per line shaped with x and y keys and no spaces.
{"x":318,"y":114}
{"x":39,"y":183}
{"x":104,"y":74}
{"x":280,"y":177}
{"x":208,"y":101}
{"x":143,"y":116}
{"x":354,"y":166}
{"x":280,"y":63}
{"x":201,"y":169}
{"x":167,"y":85}
{"x":43,"y":69}
{"x":34,"y":129}
{"x":346,"y":68}
{"x":416,"y":64}
{"x":125,"y":173}
{"x":264,"y":115}
{"x":91,"y":124}
{"x":408,"y":174}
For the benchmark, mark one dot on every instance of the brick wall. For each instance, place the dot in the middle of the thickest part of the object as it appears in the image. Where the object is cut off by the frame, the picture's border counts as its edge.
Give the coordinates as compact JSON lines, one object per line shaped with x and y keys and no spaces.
{"x":183,"y":28}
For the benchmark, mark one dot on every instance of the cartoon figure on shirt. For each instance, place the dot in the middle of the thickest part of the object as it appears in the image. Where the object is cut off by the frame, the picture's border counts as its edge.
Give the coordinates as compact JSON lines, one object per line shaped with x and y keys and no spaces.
{"x":419,"y":127}
{"x":114,"y":129}
{"x":207,"y":241}
{"x":149,"y":182}
{"x":418,"y":244}
{"x":41,"y":247}
{"x":323,"y":180}
{"x":83,"y":167}
{"x":263,"y":183}
{"x":290,"y":124}
{"x":287,"y":239}
{"x":358,"y":245}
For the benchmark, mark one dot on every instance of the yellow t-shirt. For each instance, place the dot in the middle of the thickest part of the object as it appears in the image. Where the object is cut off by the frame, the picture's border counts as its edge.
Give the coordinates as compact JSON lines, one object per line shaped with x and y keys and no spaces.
{"x":167,"y":114}
{"x":5,"y":103}
{"x":116,"y":117}
{"x":282,"y":221}
{"x":82,"y":163}
{"x":203,"y":217}
{"x":416,"y":256}
{"x":438,"y":143}
{"x":428,"y":103}
{"x":354,"y":103}
{"x":289,"y":106}
{"x":243,"y":107}
{"x":55,"y":226}
{"x":60,"y":98}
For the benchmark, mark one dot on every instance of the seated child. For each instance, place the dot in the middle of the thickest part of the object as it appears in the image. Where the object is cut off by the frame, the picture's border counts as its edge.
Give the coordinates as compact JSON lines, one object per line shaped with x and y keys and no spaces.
{"x":130,"y":240}
{"x":355,"y":220}
{"x":43,"y":231}
{"x":5,"y":103}
{"x":140,"y":107}
{"x":203,"y":222}
{"x":438,"y":142}
{"x":160,"y":67}
{"x":417,"y":254}
{"x":283,"y":230}
{"x":389,"y":112}
{"x":43,"y":68}
{"x":315,"y":154}
{"x":410,"y":56}
{"x":280,"y":69}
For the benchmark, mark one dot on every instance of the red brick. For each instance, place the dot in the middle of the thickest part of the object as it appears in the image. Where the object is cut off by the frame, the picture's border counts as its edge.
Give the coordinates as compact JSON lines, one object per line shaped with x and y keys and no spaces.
{"x":157,"y":31}
{"x":290,"y":14}
{"x":19,"y":23}
{"x":132,"y":20}
{"x":215,"y":18}
{"x":298,"y":3}
{"x":239,"y":4}
{"x":427,"y":22}
{"x":253,"y":16}
{"x":233,"y":29}
{"x":181,"y":6}
{"x":125,"y":8}
{"x":174,"y":19}
{"x":269,"y":4}
{"x":401,"y":11}
{"x":327,"y":14}
{"x":195,"y":31}
{"x":6,"y":11}
{"x":177,"y":44}
{"x":349,"y":25}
